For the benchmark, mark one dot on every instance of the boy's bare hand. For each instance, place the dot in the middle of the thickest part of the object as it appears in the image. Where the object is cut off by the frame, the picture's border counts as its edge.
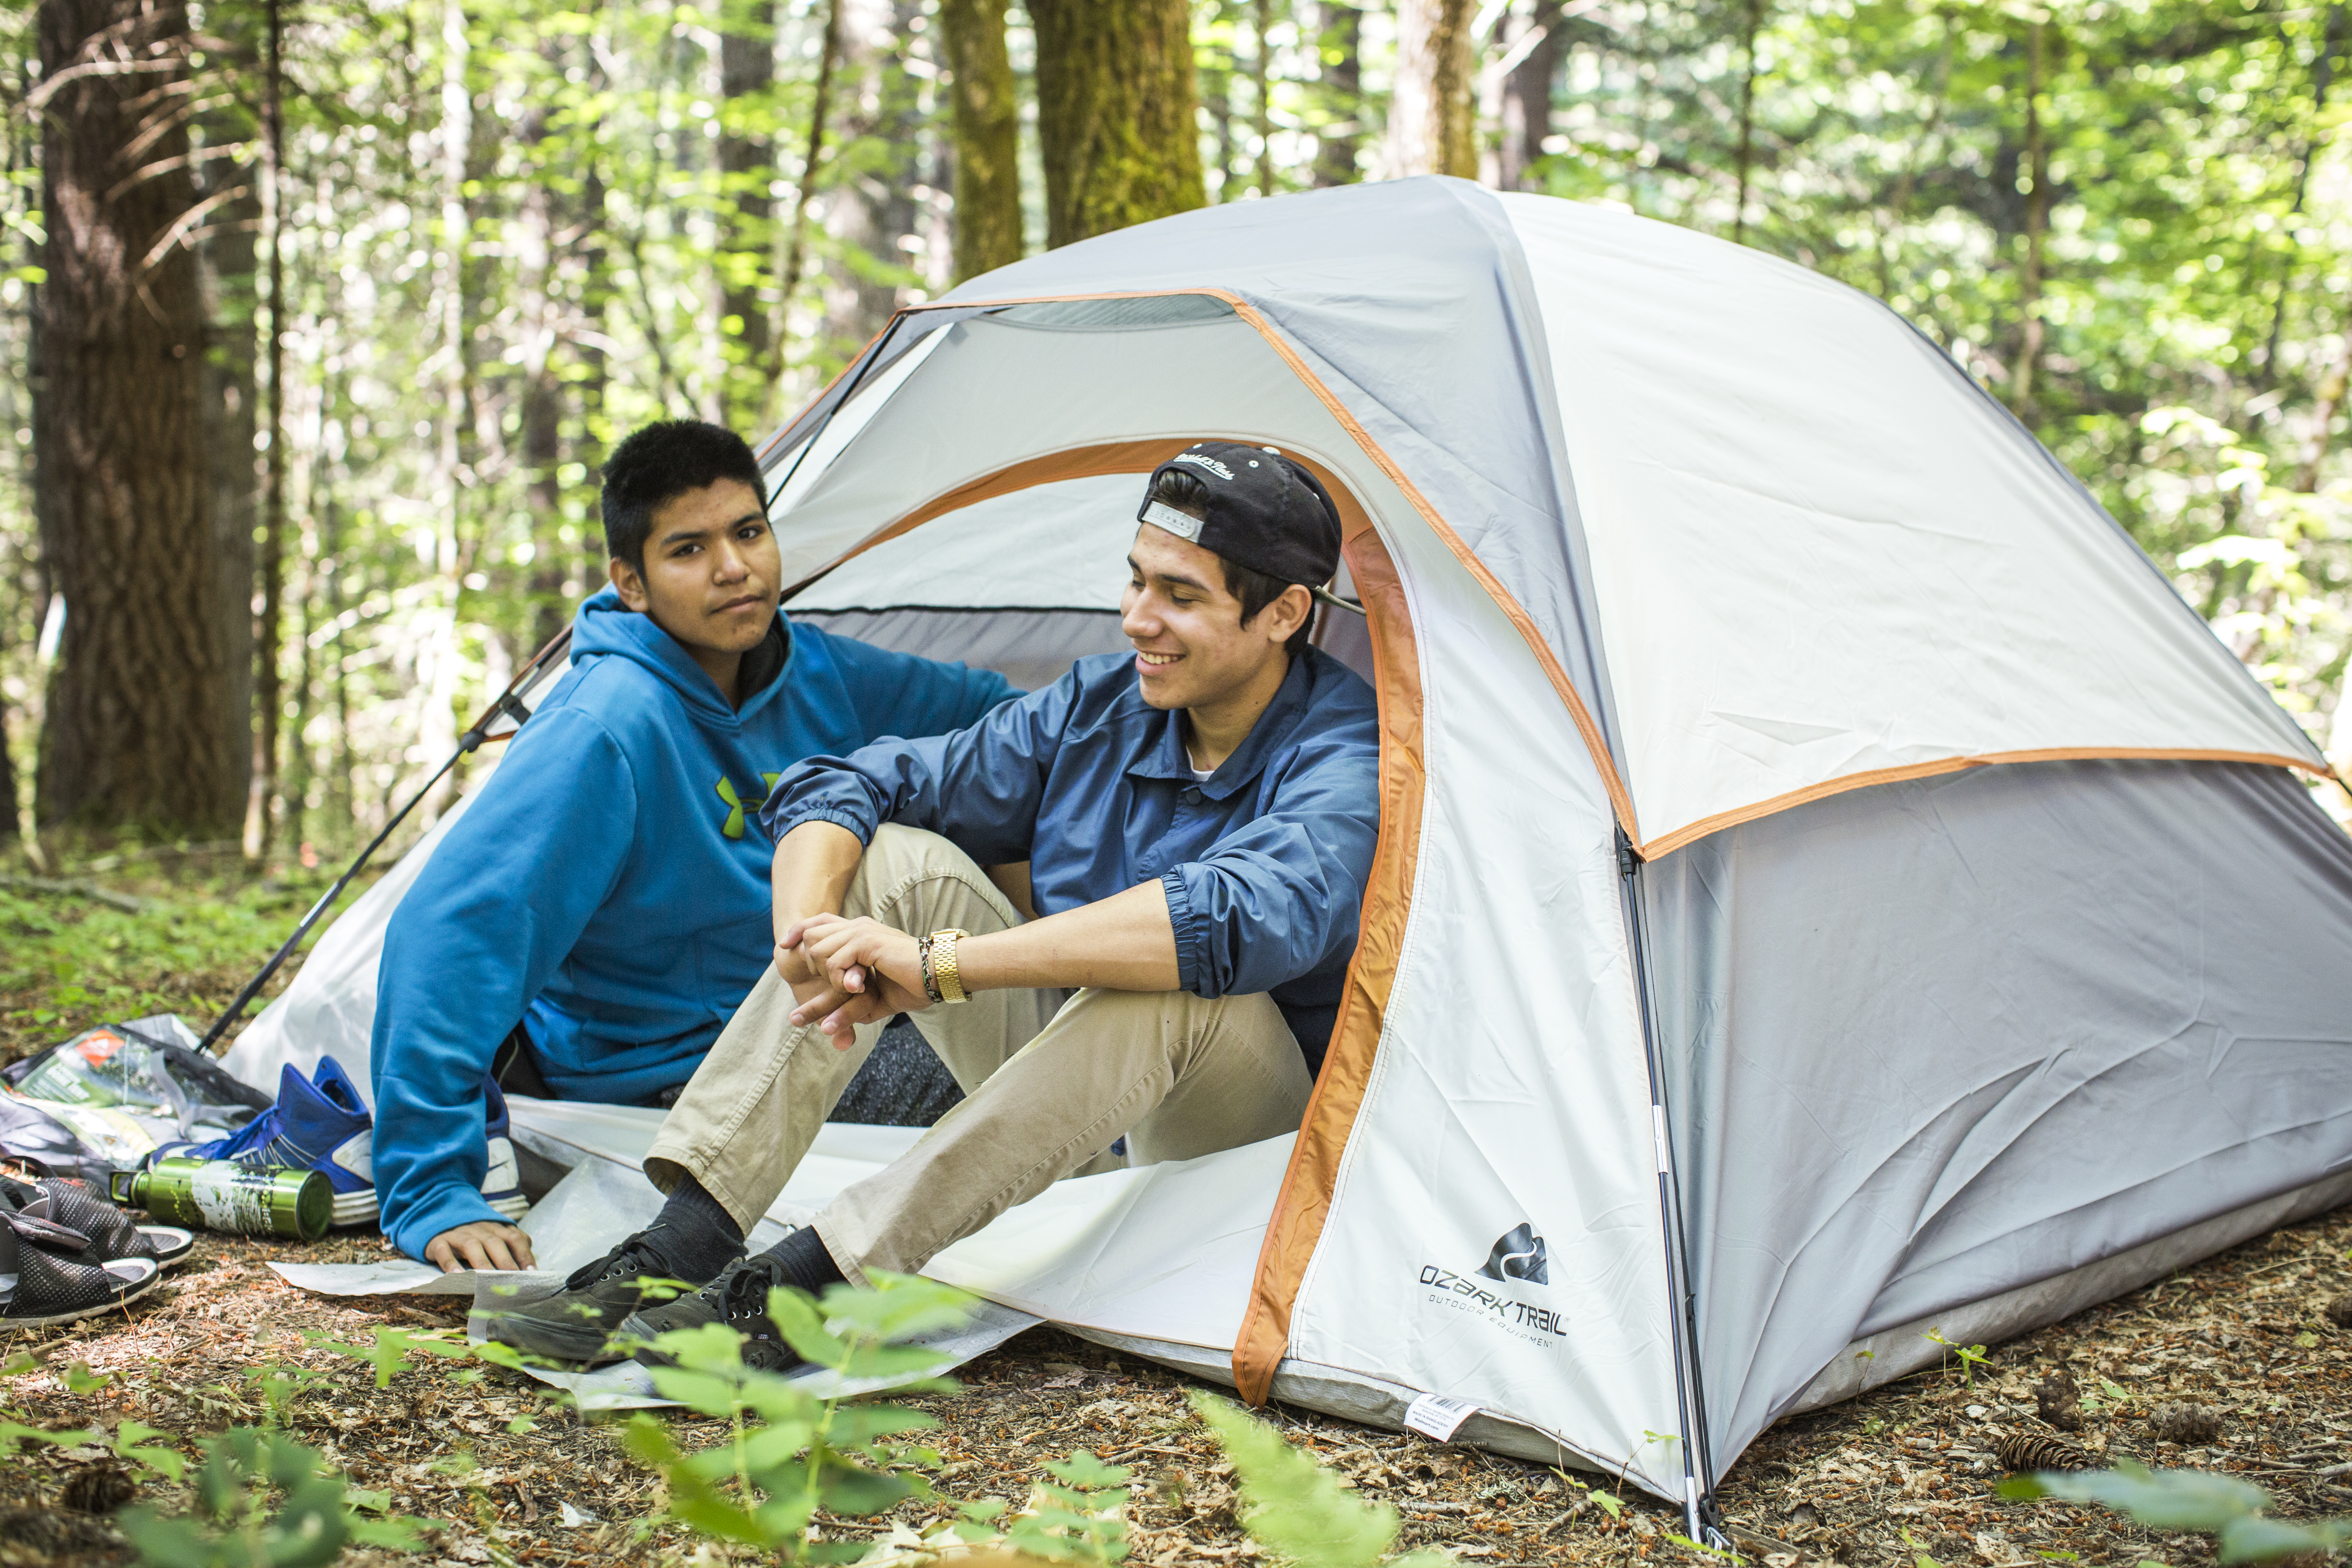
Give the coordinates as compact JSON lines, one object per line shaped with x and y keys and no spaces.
{"x":484,"y":1243}
{"x":869,"y":972}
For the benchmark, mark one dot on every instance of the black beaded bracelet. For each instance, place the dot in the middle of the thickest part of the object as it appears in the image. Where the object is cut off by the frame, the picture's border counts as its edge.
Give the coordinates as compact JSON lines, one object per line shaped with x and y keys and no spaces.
{"x":930,"y":983}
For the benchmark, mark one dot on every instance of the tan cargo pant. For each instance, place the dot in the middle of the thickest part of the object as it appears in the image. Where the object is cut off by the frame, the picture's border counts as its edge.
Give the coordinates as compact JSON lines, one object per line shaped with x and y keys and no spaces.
{"x":1051,"y":1083}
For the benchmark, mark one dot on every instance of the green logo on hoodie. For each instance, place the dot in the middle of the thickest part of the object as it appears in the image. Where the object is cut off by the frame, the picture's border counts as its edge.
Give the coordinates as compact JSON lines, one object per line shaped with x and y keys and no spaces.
{"x":733,"y":826}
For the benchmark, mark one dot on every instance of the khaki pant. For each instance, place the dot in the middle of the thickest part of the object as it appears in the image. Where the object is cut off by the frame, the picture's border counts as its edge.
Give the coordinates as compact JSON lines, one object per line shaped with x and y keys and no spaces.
{"x":1051,"y":1082}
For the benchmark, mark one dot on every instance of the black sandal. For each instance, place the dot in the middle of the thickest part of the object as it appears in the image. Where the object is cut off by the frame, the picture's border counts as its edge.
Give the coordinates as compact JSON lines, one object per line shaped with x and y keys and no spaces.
{"x":111,"y":1232}
{"x":49,"y":1273}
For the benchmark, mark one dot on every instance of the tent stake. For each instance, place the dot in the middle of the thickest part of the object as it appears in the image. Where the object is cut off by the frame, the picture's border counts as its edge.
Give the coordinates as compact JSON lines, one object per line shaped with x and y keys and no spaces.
{"x":509,"y":702}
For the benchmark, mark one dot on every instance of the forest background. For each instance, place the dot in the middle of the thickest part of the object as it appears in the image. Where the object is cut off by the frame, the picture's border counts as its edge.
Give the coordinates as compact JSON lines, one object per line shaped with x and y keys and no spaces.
{"x":321,"y":314}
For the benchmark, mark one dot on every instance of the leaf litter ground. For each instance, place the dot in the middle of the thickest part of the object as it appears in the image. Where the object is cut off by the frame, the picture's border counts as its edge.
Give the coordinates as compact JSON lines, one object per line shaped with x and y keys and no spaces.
{"x":504,"y":1473}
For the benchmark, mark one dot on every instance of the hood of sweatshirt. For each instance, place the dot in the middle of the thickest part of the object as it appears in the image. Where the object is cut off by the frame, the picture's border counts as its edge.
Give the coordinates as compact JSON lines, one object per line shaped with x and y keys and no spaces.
{"x":607,"y":628}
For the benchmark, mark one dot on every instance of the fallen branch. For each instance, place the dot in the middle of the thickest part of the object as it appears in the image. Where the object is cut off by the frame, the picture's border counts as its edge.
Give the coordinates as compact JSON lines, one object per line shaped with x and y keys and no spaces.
{"x":75,"y":889}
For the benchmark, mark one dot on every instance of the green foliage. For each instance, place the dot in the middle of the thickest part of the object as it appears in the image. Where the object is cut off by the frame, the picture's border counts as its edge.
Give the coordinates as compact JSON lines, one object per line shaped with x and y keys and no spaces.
{"x":789,"y":1452}
{"x":131,"y":1446}
{"x":390,"y":1348}
{"x":2221,"y":1506}
{"x":261,"y":1501}
{"x":1296,"y":1508}
{"x":1077,"y":1516}
{"x":1971,"y":1356}
{"x":279,"y":1387}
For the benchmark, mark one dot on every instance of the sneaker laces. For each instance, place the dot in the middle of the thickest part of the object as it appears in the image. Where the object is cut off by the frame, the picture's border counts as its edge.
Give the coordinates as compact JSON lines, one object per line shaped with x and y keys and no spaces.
{"x":632,"y":1257}
{"x":747,"y":1288}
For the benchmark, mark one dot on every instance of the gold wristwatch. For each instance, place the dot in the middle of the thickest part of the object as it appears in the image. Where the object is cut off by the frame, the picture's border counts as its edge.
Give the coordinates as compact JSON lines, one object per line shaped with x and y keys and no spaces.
{"x":944,"y":964}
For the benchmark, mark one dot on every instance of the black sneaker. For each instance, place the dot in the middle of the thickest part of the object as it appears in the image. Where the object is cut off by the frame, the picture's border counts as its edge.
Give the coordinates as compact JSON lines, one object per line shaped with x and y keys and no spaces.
{"x":738,"y":1297}
{"x":578,"y":1325}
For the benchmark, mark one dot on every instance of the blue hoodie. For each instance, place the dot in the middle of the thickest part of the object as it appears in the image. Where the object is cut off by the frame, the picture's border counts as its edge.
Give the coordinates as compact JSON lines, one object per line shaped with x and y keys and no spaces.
{"x":603,"y":889}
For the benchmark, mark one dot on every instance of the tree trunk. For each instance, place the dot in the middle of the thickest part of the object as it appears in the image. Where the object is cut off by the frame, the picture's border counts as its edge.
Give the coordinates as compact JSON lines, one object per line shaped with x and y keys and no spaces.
{"x":1115,"y":108}
{"x":269,"y":699}
{"x":1262,"y":85}
{"x":541,"y":415}
{"x":138,"y":712}
{"x":1747,"y":154}
{"x":1432,"y":119}
{"x":1527,"y":94}
{"x":872,"y":209}
{"x":987,"y":137}
{"x":2037,"y":226}
{"x":1337,"y":145}
{"x":811,"y":163}
{"x":747,"y":81}
{"x":226,"y":271}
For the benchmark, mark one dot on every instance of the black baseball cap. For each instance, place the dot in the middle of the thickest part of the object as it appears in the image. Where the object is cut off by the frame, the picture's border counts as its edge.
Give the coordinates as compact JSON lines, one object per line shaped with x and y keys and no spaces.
{"x":1265,"y":512}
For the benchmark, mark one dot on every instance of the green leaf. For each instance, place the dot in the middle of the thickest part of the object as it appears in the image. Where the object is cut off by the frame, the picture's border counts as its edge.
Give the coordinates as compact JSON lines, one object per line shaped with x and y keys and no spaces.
{"x":2254,"y":1537}
{"x":1296,"y":1508}
{"x":387,"y":1534}
{"x":797,"y":1319}
{"x":1082,"y":1469}
{"x":2160,"y":1500}
{"x":81,"y":1380}
{"x":14,"y":1433}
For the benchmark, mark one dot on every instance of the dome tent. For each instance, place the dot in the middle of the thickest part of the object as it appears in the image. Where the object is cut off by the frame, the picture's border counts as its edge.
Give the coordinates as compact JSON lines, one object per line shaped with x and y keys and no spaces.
{"x":1829,"y":887}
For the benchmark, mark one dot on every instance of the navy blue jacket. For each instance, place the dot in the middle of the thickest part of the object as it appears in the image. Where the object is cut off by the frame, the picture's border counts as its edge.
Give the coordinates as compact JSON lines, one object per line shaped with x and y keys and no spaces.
{"x":1265,"y":863}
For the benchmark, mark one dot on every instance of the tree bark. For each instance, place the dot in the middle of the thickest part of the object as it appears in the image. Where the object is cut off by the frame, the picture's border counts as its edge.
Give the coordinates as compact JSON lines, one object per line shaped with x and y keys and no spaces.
{"x":747,"y":80}
{"x":987,"y":137}
{"x":1527,"y":92}
{"x":811,"y":161}
{"x":1262,"y":86}
{"x":1115,"y":108}
{"x":1747,"y":154}
{"x":138,"y":714}
{"x":269,"y":698}
{"x":226,"y":269}
{"x":1338,"y":144}
{"x":1433,"y":117}
{"x":2037,"y":226}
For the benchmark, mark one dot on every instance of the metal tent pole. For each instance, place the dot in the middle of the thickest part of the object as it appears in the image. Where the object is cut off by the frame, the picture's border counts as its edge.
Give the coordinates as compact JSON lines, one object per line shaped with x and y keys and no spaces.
{"x":509,"y":702}
{"x":1699,"y":1517}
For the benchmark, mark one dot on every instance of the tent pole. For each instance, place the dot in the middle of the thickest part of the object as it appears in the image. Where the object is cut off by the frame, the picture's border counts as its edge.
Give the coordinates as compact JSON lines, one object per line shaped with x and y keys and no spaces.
{"x":1700,"y":1519}
{"x":510,"y":703}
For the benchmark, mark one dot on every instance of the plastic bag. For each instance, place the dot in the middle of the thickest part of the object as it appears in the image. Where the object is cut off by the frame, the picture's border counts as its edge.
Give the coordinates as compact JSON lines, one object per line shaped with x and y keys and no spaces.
{"x":119,"y":1090}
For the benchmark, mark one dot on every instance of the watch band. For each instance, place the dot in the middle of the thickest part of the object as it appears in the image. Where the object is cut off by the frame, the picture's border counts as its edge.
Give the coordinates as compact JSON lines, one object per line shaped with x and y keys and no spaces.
{"x":930,"y":979}
{"x":944,"y":964}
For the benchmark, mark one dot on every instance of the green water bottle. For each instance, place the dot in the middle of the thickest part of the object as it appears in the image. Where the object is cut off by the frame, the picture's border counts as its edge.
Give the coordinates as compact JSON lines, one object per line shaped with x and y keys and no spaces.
{"x":223,"y":1195}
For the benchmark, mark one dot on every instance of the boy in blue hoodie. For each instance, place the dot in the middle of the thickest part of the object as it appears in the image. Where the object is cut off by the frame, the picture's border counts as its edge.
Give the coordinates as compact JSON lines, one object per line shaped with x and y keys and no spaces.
{"x":601,"y":902}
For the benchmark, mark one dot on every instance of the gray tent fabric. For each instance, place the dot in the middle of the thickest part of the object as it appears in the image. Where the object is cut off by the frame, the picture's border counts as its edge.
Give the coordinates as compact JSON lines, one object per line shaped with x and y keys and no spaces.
{"x":1366,"y":283}
{"x":1929,"y":1041}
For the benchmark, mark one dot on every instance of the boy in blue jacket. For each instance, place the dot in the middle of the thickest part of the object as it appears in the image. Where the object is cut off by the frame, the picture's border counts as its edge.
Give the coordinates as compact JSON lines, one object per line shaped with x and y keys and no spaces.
{"x":601,"y":905}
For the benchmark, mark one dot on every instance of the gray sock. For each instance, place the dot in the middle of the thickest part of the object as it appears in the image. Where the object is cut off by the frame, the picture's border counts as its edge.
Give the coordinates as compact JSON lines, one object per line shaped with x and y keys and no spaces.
{"x":695,"y":1234}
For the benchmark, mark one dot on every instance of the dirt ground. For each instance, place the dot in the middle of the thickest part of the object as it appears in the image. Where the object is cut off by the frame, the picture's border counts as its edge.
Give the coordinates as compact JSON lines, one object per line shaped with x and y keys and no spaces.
{"x":1903,"y":1476}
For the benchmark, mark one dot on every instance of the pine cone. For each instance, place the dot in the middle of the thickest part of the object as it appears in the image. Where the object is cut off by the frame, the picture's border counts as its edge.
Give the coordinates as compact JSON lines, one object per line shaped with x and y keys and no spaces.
{"x":99,"y":1487}
{"x":2340,"y":1311}
{"x":2057,"y":1395}
{"x":2187,"y":1423}
{"x":2022,"y":1451}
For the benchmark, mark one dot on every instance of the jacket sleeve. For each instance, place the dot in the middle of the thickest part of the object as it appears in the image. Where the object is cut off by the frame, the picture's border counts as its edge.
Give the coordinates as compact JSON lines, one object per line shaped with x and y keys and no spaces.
{"x":978,"y":787}
{"x":900,"y":694}
{"x":497,"y":908}
{"x":1279,"y":895}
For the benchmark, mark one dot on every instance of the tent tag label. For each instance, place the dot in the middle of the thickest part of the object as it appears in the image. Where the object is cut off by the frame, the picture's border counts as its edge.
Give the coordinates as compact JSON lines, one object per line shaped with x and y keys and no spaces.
{"x":1436,"y":1415}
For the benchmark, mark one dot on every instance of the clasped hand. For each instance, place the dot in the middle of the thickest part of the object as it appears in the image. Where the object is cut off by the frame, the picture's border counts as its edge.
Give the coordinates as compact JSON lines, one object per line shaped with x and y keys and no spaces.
{"x":845,"y":973}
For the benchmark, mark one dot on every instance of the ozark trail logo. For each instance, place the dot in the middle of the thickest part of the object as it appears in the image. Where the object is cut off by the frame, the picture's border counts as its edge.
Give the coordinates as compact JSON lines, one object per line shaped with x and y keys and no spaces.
{"x":733,"y":826}
{"x":1517,"y":1257}
{"x":1518,"y":1254}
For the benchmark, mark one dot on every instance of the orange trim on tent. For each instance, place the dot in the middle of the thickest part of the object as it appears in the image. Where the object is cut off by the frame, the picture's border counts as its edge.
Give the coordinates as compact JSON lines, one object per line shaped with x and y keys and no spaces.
{"x":1669,"y":843}
{"x":1300,"y":1207}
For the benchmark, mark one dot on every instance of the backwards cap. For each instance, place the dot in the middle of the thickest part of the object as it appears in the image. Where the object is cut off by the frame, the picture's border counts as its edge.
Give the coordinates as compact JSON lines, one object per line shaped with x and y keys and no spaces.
{"x":1265,"y":511}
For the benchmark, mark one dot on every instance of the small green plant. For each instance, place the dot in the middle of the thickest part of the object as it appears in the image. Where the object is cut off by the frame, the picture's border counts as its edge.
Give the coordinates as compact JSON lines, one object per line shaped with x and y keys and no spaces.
{"x":262,"y":1501}
{"x":279,"y":1387}
{"x":2221,"y":1506}
{"x":1919,"y":1558}
{"x":390,"y":1349}
{"x":1079,"y":1516}
{"x":1971,"y":1356}
{"x":1609,"y":1503}
{"x":1294,"y":1507}
{"x":763,"y":1486}
{"x":131,"y":1446}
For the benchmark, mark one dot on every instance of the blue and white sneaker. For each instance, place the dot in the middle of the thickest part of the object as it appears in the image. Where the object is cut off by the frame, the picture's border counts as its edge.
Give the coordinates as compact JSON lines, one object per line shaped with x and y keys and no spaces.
{"x":321,"y":1124}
